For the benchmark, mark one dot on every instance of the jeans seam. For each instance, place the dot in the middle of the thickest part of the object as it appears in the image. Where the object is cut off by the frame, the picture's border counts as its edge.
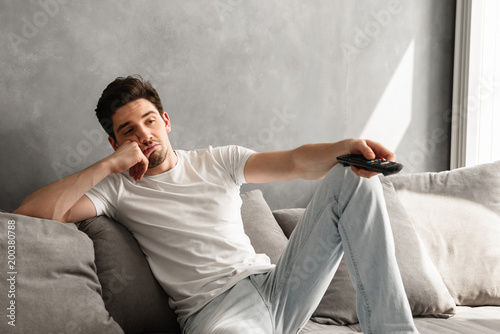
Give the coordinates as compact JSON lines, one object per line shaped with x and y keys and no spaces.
{"x":359,"y":282}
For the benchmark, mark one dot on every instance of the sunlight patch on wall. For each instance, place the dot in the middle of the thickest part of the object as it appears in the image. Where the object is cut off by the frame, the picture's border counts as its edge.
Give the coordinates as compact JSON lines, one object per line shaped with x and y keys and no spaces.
{"x":392,"y":116}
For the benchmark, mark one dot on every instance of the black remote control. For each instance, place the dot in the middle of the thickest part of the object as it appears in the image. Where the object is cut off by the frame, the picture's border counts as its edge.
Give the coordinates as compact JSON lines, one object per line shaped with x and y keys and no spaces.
{"x":383,"y":166}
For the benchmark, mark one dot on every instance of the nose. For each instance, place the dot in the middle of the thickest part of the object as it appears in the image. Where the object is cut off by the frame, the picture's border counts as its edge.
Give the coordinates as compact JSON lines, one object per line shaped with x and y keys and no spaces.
{"x":143,"y":135}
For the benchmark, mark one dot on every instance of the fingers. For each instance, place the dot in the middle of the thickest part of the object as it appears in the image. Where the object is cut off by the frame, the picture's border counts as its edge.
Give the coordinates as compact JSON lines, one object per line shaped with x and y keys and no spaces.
{"x":381,"y":151}
{"x":142,"y":168}
{"x":138,"y":170}
{"x":366,"y":150}
{"x":359,"y":146}
{"x":371,"y":150}
{"x":363,"y":172}
{"x":129,"y":156}
{"x":133,"y":172}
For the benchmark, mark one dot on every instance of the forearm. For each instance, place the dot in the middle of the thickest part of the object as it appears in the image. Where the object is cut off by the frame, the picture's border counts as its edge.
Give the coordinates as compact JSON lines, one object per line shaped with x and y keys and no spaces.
{"x":313,"y":161}
{"x":56,"y":199}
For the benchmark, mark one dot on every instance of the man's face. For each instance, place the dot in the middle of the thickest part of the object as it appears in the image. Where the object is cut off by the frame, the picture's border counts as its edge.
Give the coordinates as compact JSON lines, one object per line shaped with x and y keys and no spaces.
{"x":141,"y":122}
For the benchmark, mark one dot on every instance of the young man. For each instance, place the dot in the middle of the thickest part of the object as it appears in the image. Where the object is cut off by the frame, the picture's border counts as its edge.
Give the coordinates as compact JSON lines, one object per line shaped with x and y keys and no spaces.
{"x":183,"y":207}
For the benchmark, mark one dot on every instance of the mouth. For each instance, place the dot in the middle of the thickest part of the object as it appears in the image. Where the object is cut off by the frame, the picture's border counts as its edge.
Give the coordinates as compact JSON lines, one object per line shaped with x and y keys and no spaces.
{"x":149,"y":149}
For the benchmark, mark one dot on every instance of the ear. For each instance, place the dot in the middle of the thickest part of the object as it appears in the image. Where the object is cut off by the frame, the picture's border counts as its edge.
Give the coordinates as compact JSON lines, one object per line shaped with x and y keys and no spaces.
{"x":166,"y":119}
{"x":113,"y":143}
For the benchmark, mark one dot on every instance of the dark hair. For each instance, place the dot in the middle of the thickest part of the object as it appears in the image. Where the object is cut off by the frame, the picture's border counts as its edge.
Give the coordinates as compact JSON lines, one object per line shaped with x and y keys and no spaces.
{"x":119,"y":93}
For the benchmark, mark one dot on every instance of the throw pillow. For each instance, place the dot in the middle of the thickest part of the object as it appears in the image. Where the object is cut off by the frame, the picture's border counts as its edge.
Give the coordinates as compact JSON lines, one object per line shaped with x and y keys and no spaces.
{"x":51,"y":285}
{"x":288,"y":218}
{"x":260,"y":225}
{"x":424,"y":287}
{"x":131,"y":294}
{"x":457,"y":214}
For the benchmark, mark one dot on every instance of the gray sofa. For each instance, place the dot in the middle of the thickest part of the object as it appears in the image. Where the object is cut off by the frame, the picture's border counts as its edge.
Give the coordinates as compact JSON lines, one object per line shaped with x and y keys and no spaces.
{"x":92,"y":277}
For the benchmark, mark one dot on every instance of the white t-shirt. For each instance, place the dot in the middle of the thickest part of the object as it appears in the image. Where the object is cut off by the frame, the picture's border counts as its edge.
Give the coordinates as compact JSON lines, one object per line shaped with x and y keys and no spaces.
{"x":188,"y":224}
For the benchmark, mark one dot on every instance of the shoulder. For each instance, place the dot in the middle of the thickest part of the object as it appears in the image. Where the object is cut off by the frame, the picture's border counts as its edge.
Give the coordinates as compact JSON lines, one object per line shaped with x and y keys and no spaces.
{"x":110,"y":184}
{"x":226,"y":152}
{"x":230,"y":152}
{"x":114,"y":178}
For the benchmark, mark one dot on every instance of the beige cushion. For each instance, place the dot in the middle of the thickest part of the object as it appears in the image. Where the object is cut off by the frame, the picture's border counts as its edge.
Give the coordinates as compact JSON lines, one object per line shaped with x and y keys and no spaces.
{"x":457,"y":215}
{"x":288,"y":218}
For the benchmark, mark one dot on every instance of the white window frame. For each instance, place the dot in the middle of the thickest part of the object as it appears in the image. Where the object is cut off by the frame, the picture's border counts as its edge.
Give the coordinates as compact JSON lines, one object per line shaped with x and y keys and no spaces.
{"x":475,"y":131}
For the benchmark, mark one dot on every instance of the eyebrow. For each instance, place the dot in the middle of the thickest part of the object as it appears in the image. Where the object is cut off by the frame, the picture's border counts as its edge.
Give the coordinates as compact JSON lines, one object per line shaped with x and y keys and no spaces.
{"x":127,"y":123}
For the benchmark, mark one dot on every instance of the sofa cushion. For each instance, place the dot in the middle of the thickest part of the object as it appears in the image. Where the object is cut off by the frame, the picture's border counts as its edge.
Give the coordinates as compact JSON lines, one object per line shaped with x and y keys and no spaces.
{"x":288,"y":218}
{"x":260,"y":225}
{"x":467,"y":320}
{"x":54,"y":287}
{"x":424,"y":287}
{"x":131,"y":294}
{"x":457,"y":215}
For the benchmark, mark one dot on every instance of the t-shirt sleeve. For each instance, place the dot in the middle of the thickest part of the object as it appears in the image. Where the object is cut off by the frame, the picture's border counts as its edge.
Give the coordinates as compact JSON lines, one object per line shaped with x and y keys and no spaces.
{"x":233,"y":159}
{"x":104,"y":195}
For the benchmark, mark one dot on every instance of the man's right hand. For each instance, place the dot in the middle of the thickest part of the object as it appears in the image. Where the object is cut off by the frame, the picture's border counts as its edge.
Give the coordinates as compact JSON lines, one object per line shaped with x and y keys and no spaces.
{"x":129,"y":156}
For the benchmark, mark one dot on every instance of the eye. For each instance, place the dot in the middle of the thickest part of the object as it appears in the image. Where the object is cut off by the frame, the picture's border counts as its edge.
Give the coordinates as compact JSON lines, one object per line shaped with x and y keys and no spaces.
{"x":150,"y":121}
{"x":127,"y":132}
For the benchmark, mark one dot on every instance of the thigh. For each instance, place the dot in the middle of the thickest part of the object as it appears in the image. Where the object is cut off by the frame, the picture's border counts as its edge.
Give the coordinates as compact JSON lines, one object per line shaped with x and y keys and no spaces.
{"x":239,"y":310}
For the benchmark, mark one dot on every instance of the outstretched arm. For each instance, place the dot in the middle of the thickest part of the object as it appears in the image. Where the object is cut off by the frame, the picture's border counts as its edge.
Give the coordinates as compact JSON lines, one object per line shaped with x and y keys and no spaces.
{"x":65,"y":201}
{"x":311,"y":161}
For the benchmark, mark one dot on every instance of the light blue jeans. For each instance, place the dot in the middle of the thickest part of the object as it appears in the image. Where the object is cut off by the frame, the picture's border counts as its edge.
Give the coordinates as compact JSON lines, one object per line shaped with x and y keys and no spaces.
{"x":347,"y":215}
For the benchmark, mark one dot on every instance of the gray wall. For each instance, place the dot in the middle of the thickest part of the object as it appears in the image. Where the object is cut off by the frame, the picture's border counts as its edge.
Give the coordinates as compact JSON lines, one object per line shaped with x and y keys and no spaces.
{"x":268,"y":75}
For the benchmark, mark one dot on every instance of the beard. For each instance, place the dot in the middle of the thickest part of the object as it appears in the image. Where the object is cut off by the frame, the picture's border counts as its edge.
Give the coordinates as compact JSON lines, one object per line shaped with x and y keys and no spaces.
{"x":157,"y":157}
